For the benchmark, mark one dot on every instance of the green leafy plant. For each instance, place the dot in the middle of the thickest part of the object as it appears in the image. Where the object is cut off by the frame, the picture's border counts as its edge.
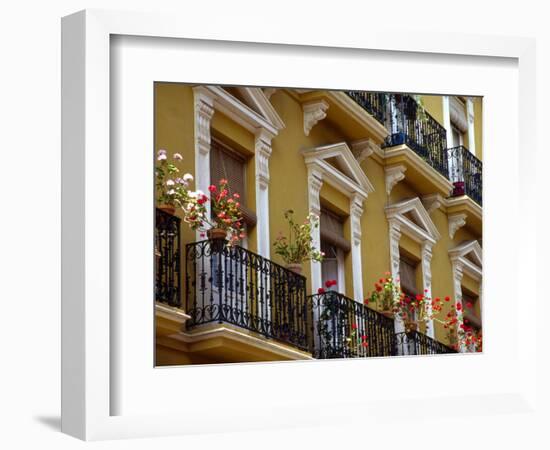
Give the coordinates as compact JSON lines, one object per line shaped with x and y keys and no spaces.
{"x":298,"y":247}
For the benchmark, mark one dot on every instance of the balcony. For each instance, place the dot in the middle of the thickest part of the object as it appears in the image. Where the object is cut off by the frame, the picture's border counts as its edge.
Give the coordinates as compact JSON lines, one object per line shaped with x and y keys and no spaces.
{"x":344,"y":328}
{"x":259,"y":309}
{"x":416,"y":343}
{"x":232,"y":285}
{"x":466,"y":173}
{"x":373,"y":102}
{"x":167,"y":259}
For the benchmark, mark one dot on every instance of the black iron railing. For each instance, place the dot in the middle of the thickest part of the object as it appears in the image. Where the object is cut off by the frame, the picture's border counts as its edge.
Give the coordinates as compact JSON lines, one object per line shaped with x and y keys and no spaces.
{"x":372,"y":102}
{"x":408,"y":123}
{"x":465,"y":171}
{"x":344,"y":328}
{"x":234,"y":285}
{"x":167,"y":258}
{"x":416,"y":343}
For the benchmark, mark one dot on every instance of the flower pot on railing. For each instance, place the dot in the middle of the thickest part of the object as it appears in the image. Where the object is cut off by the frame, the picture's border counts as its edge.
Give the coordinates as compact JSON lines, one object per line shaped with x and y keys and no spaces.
{"x":167,"y":209}
{"x":218,"y":238}
{"x":296,"y":268}
{"x":458,"y":188}
{"x":411,"y":327}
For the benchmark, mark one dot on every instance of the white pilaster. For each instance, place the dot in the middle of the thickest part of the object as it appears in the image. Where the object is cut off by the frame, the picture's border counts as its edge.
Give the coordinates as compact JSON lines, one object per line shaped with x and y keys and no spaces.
{"x":457,"y":285}
{"x":447,"y":119}
{"x":471,"y":129}
{"x":204,"y":110}
{"x":263,"y":152}
{"x":315,"y":181}
{"x":356,"y":211}
{"x":427,"y":282}
{"x":395,"y":237}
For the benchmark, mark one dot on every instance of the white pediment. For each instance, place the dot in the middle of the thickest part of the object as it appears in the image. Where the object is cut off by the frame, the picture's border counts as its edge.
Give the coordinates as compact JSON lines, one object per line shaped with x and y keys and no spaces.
{"x":337,"y":163}
{"x":413,"y":215}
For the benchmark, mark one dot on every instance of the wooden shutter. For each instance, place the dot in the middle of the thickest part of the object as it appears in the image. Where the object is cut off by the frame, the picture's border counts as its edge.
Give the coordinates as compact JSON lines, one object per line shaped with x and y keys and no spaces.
{"x":227,"y":163}
{"x":407,"y":276}
{"x":332,"y":230}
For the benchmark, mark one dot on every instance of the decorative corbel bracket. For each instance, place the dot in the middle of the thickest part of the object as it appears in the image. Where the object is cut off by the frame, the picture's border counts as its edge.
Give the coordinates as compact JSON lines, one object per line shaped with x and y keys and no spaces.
{"x":394,"y":174}
{"x":432,"y":202}
{"x":313,"y":113}
{"x":456,"y":221}
{"x":362,"y":149}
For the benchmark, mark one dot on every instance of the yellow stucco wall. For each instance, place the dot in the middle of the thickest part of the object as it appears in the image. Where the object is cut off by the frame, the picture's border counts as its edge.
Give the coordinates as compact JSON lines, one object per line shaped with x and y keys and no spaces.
{"x":174,"y":131}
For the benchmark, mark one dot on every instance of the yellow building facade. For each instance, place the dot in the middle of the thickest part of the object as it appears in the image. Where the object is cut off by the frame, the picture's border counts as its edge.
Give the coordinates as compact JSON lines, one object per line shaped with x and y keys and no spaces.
{"x":396,"y":182}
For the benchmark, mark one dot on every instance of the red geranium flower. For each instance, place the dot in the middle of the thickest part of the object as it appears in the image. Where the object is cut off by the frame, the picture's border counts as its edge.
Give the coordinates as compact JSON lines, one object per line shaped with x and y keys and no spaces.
{"x":320,"y":291}
{"x":447,"y":298}
{"x":469,"y":305}
{"x":459,"y":306}
{"x":212,"y":188}
{"x":354,"y":326}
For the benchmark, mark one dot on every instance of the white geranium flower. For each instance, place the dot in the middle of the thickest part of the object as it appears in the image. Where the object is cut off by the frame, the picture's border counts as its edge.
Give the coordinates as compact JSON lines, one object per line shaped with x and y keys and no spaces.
{"x":161,"y":157}
{"x":170,"y":183}
{"x":171,"y":192}
{"x":188,"y":177}
{"x":178,"y":156}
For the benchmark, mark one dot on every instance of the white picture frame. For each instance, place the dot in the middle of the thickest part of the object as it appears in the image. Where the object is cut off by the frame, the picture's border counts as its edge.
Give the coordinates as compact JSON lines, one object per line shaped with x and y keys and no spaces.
{"x":89,"y":322}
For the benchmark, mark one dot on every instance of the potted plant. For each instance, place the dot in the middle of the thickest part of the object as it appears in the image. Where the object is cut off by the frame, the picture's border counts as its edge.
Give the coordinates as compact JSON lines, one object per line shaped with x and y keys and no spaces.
{"x":167,"y":181}
{"x":385,"y":295}
{"x":173,"y":192}
{"x":297,"y":247}
{"x":227,"y":218}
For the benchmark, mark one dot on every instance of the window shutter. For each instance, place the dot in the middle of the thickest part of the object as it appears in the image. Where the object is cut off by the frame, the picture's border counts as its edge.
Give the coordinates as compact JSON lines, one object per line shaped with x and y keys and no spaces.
{"x":407,"y":276}
{"x":332,"y":230}
{"x":227,"y":163}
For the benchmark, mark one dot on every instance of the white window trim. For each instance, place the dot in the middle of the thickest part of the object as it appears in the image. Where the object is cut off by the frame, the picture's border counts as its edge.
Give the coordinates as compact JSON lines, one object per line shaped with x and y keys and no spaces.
{"x":462,"y":265}
{"x":209,"y":99}
{"x":355,"y":185}
{"x":426,"y":235}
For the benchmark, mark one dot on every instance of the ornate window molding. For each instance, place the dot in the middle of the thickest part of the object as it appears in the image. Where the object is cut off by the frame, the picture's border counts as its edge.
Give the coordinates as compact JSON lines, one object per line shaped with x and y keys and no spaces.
{"x":349,"y":179}
{"x":265,"y":127}
{"x":466,"y":258}
{"x":409,"y":217}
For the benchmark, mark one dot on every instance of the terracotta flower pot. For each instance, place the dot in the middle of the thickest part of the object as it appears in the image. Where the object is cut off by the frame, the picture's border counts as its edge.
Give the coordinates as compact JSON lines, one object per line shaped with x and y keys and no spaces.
{"x":168,"y":209}
{"x":296,"y":268}
{"x":218,"y":237}
{"x":410,"y":327}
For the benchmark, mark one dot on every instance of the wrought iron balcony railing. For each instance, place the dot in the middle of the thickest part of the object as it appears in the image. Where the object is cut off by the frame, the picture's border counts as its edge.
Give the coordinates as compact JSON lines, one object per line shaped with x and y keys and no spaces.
{"x":416,"y":343}
{"x":167,"y":258}
{"x":344,"y":328}
{"x":465,"y":172}
{"x":236,"y":286}
{"x":408,"y":123}
{"x":372,"y":102}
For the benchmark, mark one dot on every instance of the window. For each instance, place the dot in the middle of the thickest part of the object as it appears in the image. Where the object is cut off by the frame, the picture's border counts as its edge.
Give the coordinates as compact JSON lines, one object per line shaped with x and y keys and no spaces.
{"x":231,"y":165}
{"x":335,"y":246}
{"x":407,"y":275}
{"x":458,"y":138}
